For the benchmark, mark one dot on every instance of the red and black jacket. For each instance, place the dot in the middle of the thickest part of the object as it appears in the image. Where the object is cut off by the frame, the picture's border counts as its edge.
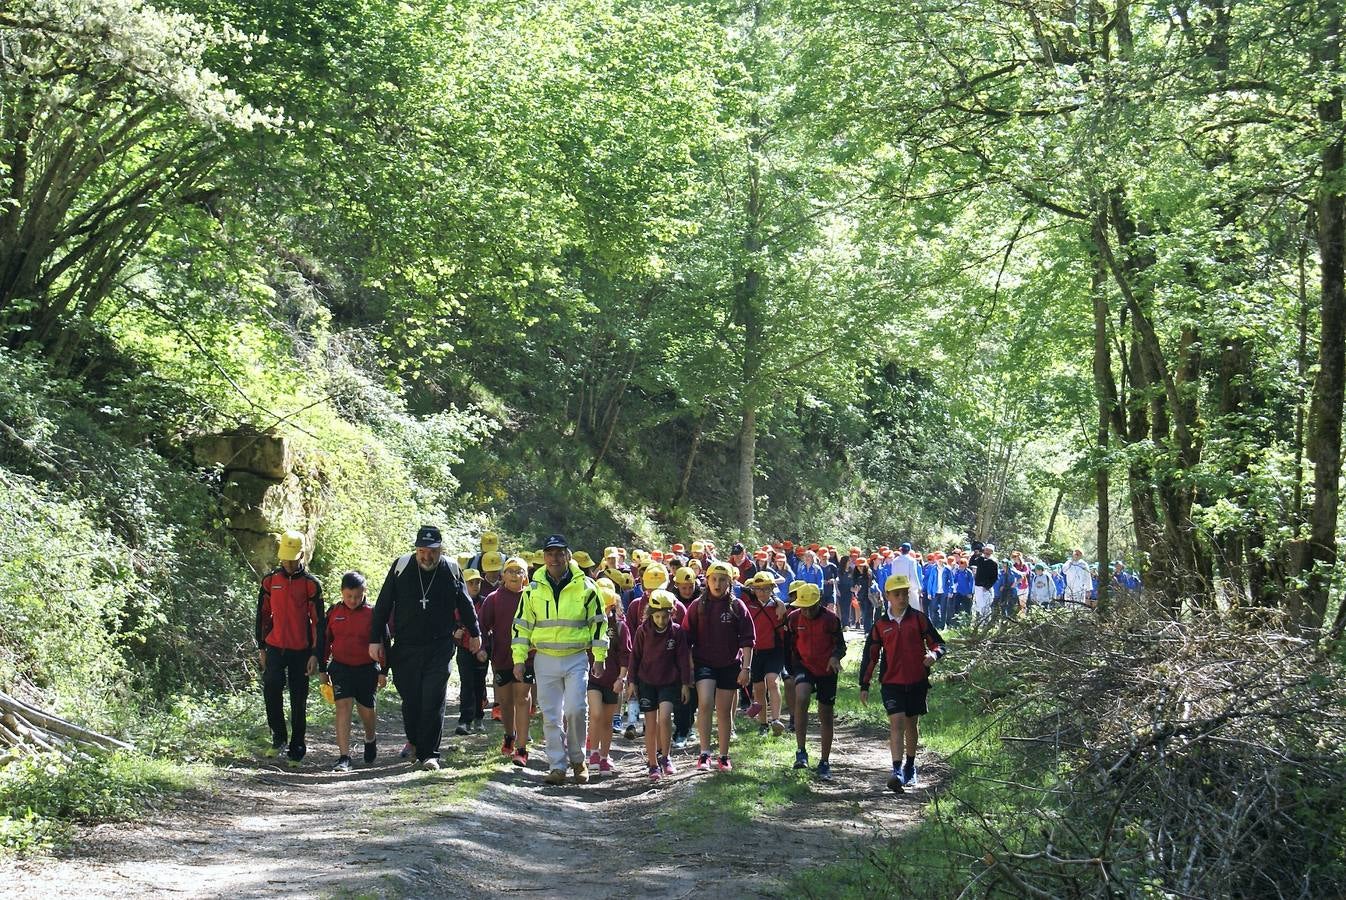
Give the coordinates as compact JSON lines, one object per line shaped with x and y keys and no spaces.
{"x":900,"y":646}
{"x":290,"y":612}
{"x":348,"y":636}
{"x":813,"y":642}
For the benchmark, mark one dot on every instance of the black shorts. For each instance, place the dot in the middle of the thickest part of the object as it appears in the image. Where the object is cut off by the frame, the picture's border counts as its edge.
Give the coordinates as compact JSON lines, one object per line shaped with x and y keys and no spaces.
{"x":355,"y":682}
{"x":824,"y":686}
{"x":905,"y":699}
{"x":609,"y":696}
{"x":725,"y":677}
{"x":651,"y":695}
{"x":767,"y":661}
{"x":507,"y":676}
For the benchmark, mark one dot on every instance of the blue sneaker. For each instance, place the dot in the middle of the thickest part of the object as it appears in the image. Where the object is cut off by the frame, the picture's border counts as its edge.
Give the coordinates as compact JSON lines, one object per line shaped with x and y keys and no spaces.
{"x":909,"y":774}
{"x":801,"y":759}
{"x":824,"y":771}
{"x":895,"y":781}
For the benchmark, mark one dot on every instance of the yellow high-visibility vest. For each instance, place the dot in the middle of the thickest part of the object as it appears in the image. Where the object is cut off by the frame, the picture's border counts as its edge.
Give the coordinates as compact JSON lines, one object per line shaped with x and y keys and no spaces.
{"x":559,"y":626}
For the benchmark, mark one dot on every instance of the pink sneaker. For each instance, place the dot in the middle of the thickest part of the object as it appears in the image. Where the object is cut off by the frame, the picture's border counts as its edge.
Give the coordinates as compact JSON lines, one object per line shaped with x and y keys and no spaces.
{"x":594,"y":758}
{"x":703,"y":762}
{"x":667,"y":765}
{"x":724,"y":765}
{"x":754,"y":710}
{"x":605,"y":765}
{"x":655,"y":774}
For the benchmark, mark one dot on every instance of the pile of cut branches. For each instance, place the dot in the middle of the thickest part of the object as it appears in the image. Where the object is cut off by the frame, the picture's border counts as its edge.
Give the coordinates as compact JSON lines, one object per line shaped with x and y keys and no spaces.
{"x":1199,"y":757}
{"x":27,"y":730}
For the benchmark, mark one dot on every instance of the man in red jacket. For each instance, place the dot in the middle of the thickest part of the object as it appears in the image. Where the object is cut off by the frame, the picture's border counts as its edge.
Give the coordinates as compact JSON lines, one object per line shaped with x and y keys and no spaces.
{"x":816,"y":645}
{"x":346,"y":666}
{"x":290,"y":634}
{"x":903,"y":645}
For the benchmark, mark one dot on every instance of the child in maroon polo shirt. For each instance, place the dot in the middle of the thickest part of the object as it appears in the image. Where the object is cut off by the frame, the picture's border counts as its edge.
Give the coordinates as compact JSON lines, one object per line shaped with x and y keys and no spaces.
{"x":346,"y":666}
{"x":661,"y":667}
{"x":816,"y":646}
{"x":903,"y":645}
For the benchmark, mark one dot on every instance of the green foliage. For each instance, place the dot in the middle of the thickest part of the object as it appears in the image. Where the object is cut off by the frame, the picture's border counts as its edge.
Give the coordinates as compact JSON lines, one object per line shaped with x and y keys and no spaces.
{"x":41,"y":799}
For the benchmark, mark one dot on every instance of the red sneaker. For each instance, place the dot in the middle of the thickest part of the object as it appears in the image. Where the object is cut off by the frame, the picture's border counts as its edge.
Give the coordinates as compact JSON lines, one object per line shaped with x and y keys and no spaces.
{"x":507,"y":748}
{"x":495,"y":713}
{"x":520,"y":757}
{"x":724,"y":765}
{"x":605,"y":765}
{"x":703,"y":762}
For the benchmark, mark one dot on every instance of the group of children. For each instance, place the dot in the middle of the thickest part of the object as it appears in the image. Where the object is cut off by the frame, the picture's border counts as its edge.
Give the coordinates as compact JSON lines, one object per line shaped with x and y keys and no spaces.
{"x":692,"y":638}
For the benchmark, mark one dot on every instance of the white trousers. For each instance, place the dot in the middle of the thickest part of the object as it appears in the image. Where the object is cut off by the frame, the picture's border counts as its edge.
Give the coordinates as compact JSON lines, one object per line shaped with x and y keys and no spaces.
{"x":982,"y":597}
{"x":562,"y":693}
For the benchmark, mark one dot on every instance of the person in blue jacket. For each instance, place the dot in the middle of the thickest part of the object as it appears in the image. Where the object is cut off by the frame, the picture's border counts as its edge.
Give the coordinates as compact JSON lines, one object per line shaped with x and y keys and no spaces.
{"x":962,"y":590}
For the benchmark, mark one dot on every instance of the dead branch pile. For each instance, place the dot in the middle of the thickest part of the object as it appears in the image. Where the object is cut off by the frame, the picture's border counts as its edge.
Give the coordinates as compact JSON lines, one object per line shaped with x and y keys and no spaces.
{"x":27,"y":730}
{"x":1195,"y":758}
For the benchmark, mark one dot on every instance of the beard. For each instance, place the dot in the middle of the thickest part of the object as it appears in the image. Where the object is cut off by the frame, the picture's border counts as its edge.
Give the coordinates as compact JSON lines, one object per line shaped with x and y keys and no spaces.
{"x":427,"y":567}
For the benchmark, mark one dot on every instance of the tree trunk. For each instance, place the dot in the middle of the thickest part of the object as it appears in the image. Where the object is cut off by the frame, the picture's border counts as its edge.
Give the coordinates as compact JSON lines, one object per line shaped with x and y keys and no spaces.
{"x":1318,"y":557}
{"x":747,"y":460}
{"x":1109,"y":417}
{"x":684,"y":483}
{"x":1056,"y":509}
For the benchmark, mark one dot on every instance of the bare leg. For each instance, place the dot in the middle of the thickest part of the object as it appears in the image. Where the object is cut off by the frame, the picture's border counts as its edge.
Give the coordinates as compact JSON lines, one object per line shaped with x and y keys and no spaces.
{"x":652,"y":735}
{"x":705,"y":707}
{"x":759,"y":696}
{"x":367,"y":718}
{"x":724,"y":712}
{"x":912,"y":734}
{"x":803,"y":694}
{"x":504,"y":695}
{"x":594,"y":739}
{"x":773,"y":708}
{"x":343,"y":725}
{"x":523,"y":698}
{"x":605,"y":714}
{"x":826,"y":717}
{"x":665,"y":727}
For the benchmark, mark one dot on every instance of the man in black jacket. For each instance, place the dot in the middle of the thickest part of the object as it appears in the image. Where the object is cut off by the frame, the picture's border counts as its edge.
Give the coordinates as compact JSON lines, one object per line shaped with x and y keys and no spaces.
{"x":985,"y":571}
{"x":424,"y":608}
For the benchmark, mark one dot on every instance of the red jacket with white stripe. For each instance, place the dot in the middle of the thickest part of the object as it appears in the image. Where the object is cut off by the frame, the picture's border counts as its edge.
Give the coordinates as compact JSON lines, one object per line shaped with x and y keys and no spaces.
{"x":290,"y":612}
{"x":898,"y":647}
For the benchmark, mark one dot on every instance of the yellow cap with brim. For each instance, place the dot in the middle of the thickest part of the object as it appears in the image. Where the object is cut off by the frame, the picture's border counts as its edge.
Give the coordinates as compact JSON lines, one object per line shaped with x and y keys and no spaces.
{"x":721,"y":568}
{"x":516,"y":562}
{"x":492,"y":561}
{"x":291,"y":546}
{"x":490,"y":541}
{"x":584,"y":560}
{"x":660,"y":600}
{"x":684,"y":575}
{"x":654,"y":577}
{"x":896,"y":583}
{"x":807,"y":595}
{"x":471,"y":575}
{"x":761,"y":579}
{"x":620,"y":579}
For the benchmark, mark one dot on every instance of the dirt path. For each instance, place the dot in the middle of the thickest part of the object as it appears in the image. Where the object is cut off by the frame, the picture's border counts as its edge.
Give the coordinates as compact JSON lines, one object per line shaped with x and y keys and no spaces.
{"x":480,"y":827}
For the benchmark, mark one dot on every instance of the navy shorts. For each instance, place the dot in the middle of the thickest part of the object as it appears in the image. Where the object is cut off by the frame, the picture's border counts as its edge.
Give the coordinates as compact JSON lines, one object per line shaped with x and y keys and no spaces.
{"x":725,"y":677}
{"x":824,"y":686}
{"x":651,"y":695}
{"x":353,"y":682}
{"x":606,"y":692}
{"x":507,"y":676}
{"x":766,"y":662}
{"x":905,"y":699}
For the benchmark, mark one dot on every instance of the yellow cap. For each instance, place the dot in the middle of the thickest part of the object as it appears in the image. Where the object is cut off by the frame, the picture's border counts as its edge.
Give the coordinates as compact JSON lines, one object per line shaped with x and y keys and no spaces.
{"x":291,"y":546}
{"x":515,"y":562}
{"x":608,"y":593}
{"x":896,"y":583}
{"x":492,"y":561}
{"x":660,"y":600}
{"x":807,"y":595}
{"x":490,"y":541}
{"x":604,"y":582}
{"x":471,"y":575}
{"x":464,"y":559}
{"x":684,"y":575}
{"x":328,"y":694}
{"x":609,"y":552}
{"x":761,"y":579}
{"x":583,"y":559}
{"x":698,"y":547}
{"x":620,"y":579}
{"x":655,"y":577}
{"x":721,"y":568}
{"x":795,"y":586}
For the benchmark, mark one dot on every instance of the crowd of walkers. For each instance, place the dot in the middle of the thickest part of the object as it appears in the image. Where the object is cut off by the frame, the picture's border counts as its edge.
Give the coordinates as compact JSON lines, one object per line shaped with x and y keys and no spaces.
{"x":668,"y":644}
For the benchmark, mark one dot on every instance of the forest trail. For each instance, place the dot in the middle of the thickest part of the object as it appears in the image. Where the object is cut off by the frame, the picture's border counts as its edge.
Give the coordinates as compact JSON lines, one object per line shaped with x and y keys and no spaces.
{"x":392,"y":831}
{"x":482,"y":826}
